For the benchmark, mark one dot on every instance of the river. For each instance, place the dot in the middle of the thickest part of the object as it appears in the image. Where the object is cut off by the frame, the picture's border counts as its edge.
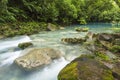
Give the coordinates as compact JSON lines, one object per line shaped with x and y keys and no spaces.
{"x":9,"y":52}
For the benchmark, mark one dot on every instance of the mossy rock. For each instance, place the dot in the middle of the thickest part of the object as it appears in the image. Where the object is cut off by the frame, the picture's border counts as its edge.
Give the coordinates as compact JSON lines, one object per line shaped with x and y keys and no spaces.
{"x":82,"y":29}
{"x":73,"y":40}
{"x":115,"y":48}
{"x":25,"y":45}
{"x":116,"y":70}
{"x":85,"y":68}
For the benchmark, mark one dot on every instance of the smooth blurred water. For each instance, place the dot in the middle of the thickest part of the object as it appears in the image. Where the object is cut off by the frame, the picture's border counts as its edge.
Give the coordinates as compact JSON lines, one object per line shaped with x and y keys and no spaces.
{"x":9,"y":52}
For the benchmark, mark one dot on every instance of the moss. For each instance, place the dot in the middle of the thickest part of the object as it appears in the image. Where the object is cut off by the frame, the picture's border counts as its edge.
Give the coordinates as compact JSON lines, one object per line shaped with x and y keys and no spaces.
{"x":86,"y":67}
{"x":25,"y":45}
{"x":115,"y":48}
{"x":82,"y":29}
{"x":107,"y":75}
{"x":71,"y":69}
{"x":116,"y":29}
{"x":102,"y":56}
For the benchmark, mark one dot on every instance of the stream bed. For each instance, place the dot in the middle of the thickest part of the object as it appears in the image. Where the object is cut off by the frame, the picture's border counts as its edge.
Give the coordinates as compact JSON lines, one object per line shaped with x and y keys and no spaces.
{"x":9,"y":52}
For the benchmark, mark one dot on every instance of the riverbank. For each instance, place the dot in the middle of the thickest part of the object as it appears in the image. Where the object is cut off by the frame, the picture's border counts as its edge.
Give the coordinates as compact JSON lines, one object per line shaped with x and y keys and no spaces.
{"x":25,"y":28}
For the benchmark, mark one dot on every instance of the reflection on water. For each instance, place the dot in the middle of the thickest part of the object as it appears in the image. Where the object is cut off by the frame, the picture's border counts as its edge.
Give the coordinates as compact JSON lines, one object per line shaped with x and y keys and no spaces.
{"x":9,"y":51}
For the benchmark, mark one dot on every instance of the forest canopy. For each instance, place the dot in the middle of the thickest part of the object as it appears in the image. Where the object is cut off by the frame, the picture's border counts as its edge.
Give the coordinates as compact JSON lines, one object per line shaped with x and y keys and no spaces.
{"x":59,"y":11}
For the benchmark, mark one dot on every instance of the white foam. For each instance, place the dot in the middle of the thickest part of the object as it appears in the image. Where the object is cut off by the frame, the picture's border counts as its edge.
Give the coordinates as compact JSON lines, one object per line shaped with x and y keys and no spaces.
{"x":12,"y":42}
{"x":8,"y":58}
{"x":49,"y":72}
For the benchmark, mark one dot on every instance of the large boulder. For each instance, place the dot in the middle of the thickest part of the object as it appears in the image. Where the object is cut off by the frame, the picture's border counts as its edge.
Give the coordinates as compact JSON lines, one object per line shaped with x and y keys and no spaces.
{"x":85,"y":68}
{"x":34,"y":58}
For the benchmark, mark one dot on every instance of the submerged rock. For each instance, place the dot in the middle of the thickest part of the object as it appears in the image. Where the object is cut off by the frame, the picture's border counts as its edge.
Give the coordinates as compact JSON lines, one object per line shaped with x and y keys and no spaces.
{"x":85,"y":68}
{"x":73,"y":40}
{"x":37,"y":57}
{"x":81,"y":29}
{"x":25,"y":45}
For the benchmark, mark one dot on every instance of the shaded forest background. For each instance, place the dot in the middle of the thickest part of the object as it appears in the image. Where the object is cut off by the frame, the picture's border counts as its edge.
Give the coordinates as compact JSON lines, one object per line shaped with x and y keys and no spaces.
{"x":59,"y":11}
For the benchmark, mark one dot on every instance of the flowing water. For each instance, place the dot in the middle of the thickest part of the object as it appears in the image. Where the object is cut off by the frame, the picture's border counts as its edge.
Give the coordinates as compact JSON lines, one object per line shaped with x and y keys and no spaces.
{"x":9,"y":52}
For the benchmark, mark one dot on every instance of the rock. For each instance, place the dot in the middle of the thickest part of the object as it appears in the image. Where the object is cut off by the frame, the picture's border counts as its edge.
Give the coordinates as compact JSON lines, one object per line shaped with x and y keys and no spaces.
{"x":116,"y":42}
{"x":104,"y":40}
{"x":91,"y":36}
{"x":115,"y":49}
{"x":106,"y":44}
{"x":116,"y":35}
{"x":85,"y":68}
{"x":116,"y":70}
{"x":62,"y":28}
{"x":1,"y":36}
{"x":25,"y":45}
{"x":52,"y":27}
{"x":73,"y":40}
{"x":105,"y":37}
{"x":37,"y":57}
{"x":81,"y":29}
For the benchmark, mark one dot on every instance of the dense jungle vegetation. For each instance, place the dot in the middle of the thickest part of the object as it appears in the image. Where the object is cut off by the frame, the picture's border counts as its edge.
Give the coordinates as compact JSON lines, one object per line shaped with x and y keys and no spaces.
{"x":63,"y":12}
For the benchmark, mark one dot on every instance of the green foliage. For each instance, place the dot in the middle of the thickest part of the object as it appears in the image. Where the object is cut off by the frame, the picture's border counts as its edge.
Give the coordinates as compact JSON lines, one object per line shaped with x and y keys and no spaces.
{"x":60,"y":11}
{"x":82,"y":21}
{"x":30,"y":12}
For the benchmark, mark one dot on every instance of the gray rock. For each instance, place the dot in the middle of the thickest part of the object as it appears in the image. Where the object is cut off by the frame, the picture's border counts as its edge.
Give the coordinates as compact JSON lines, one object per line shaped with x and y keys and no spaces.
{"x":37,"y":57}
{"x":116,"y":70}
{"x":105,"y":37}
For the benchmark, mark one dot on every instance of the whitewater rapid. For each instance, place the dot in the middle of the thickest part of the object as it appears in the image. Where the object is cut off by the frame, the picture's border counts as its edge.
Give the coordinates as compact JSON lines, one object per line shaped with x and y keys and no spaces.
{"x":7,"y":49}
